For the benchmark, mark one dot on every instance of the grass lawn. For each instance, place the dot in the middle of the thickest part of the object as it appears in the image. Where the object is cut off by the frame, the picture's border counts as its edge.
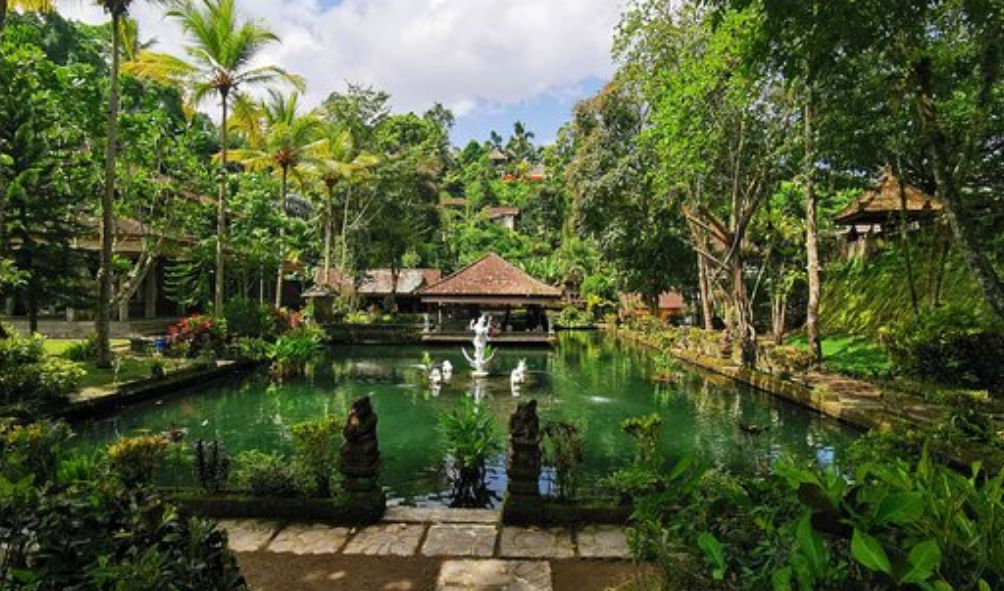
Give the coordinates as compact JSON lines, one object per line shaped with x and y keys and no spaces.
{"x":852,"y":356}
{"x":131,"y":367}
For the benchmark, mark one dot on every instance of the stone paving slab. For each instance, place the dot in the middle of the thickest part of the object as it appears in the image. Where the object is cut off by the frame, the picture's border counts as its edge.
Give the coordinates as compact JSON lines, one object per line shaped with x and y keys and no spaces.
{"x":494,"y":575}
{"x":602,"y":541}
{"x":391,"y":539}
{"x":460,"y":539}
{"x":309,"y":539}
{"x":248,"y":535}
{"x":533,"y":542}
{"x":439,"y":515}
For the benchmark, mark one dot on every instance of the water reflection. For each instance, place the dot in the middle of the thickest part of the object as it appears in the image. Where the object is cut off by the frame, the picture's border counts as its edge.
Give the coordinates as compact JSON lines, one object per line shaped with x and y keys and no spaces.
{"x":591,"y":380}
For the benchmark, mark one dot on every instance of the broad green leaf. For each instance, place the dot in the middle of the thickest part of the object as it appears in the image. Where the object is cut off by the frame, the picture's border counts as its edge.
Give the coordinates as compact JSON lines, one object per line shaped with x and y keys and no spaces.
{"x":715,"y":554}
{"x":781,"y":579}
{"x":923,"y":559}
{"x":900,"y":508}
{"x":984,"y":586}
{"x":810,"y":545}
{"x":869,"y":552}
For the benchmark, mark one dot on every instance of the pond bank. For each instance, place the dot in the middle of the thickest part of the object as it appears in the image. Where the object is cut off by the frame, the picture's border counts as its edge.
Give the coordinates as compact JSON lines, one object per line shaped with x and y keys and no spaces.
{"x":852,"y":401}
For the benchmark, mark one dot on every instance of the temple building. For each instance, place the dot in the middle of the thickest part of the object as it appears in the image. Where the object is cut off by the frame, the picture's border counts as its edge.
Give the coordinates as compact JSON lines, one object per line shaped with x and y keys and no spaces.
{"x":374,"y":287}
{"x":872,"y":218}
{"x":517,"y":302}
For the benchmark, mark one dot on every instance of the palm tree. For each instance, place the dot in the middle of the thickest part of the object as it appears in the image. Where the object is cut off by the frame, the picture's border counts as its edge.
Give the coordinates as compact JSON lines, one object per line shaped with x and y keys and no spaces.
{"x":339,"y":162}
{"x":220,"y":53}
{"x":288,"y":140}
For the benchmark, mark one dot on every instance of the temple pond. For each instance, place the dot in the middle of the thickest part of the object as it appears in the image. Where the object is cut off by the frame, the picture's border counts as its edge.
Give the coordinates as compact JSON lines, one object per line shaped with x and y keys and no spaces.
{"x":590,"y":379}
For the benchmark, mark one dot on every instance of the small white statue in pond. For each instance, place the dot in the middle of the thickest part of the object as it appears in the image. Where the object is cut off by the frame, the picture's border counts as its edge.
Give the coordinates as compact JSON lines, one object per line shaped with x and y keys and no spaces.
{"x":447,"y":370}
{"x":435,"y":376}
{"x":518,"y":375}
{"x":481,"y":327}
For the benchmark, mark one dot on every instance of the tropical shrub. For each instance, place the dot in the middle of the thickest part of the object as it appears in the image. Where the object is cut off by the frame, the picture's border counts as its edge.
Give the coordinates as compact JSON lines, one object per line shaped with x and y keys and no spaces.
{"x":74,"y":527}
{"x":251,"y":349}
{"x":563,"y":451}
{"x":266,"y":474}
{"x":572,"y":317}
{"x":293,"y":351}
{"x":135,"y":460}
{"x":316,"y":443}
{"x":85,"y":350}
{"x":32,"y":450}
{"x":28,"y":375}
{"x":212,"y":465}
{"x":279,"y":321}
{"x":950,"y":345}
{"x":244,"y":317}
{"x":890,"y":524}
{"x":471,"y":438}
{"x":198,"y":335}
{"x":644,"y":475}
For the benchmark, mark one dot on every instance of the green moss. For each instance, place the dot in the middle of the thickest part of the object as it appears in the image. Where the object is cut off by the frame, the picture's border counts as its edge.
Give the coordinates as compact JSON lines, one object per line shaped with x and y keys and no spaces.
{"x":853,"y":356}
{"x":862,"y":297}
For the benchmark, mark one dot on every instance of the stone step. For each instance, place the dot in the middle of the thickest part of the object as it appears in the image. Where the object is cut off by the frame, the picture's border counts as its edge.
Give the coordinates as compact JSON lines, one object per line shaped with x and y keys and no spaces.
{"x":439,"y":515}
{"x":494,"y":575}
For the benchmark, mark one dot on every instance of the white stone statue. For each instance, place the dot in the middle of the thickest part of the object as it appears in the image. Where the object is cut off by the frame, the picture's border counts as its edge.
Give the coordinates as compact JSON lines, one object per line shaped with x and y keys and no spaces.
{"x":518,"y":375}
{"x":447,"y":370}
{"x":481,"y":327}
{"x":435,"y":376}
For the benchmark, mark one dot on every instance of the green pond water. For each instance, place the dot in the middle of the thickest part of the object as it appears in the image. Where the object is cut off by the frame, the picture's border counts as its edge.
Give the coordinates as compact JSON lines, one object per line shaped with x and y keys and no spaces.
{"x":590,"y":379}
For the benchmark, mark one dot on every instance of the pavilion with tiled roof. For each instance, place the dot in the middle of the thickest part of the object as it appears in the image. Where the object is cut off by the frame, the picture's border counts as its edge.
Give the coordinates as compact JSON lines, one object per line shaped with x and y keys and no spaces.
{"x":492,"y":285}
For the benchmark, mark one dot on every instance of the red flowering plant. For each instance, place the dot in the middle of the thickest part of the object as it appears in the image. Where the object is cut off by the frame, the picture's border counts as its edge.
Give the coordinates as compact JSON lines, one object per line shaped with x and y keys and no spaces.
{"x":198,"y":334}
{"x":280,"y":321}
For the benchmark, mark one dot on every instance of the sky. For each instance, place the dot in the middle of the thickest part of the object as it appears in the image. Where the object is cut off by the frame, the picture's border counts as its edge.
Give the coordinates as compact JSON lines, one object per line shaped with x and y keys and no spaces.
{"x":491,"y":61}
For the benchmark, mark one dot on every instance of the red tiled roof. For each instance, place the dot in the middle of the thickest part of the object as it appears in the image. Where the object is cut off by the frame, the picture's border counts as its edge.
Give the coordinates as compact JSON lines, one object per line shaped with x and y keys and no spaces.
{"x":501,"y":212}
{"x":668,"y":300}
{"x":491,"y":275}
{"x":380,"y":281}
{"x":453,"y":202}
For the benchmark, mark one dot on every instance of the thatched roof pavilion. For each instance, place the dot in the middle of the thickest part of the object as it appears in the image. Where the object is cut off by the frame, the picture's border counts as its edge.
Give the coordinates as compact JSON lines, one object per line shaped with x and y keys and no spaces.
{"x":882,"y":203}
{"x":491,"y":281}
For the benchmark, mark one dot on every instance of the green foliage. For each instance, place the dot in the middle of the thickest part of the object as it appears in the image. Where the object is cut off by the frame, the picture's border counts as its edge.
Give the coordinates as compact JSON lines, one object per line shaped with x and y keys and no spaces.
{"x":864,"y":297}
{"x":851,"y":356}
{"x":469,"y":433}
{"x":212,"y":465}
{"x":951,"y":345}
{"x":266,"y":474}
{"x":32,"y":450}
{"x":81,"y":351}
{"x":316,"y":443}
{"x":573,"y":317}
{"x":563,"y":450}
{"x":292,"y":352}
{"x":135,"y":460}
{"x":252,"y":348}
{"x":199,"y":335}
{"x":29,"y":375}
{"x":70,"y":525}
{"x":244,"y":317}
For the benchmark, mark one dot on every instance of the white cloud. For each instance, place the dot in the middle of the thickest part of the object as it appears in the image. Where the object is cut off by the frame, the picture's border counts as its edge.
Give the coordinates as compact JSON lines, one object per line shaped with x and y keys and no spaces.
{"x":463,"y":53}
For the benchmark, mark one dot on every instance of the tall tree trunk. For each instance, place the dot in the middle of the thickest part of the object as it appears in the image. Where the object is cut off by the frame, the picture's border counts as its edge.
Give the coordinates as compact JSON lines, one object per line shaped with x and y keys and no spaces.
{"x":743,"y":320}
{"x":811,"y":237}
{"x":977,"y":262}
{"x":344,"y":240}
{"x":221,"y":211}
{"x":103,"y":309}
{"x":707,"y":309}
{"x":328,"y":221}
{"x":282,"y":236}
{"x":3,"y":17}
{"x":904,"y":239}
{"x":779,"y":307}
{"x":948,"y":190}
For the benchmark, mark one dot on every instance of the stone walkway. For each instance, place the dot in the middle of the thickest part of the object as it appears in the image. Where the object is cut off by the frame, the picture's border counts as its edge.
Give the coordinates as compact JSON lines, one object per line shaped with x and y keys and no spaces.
{"x":475,"y":552}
